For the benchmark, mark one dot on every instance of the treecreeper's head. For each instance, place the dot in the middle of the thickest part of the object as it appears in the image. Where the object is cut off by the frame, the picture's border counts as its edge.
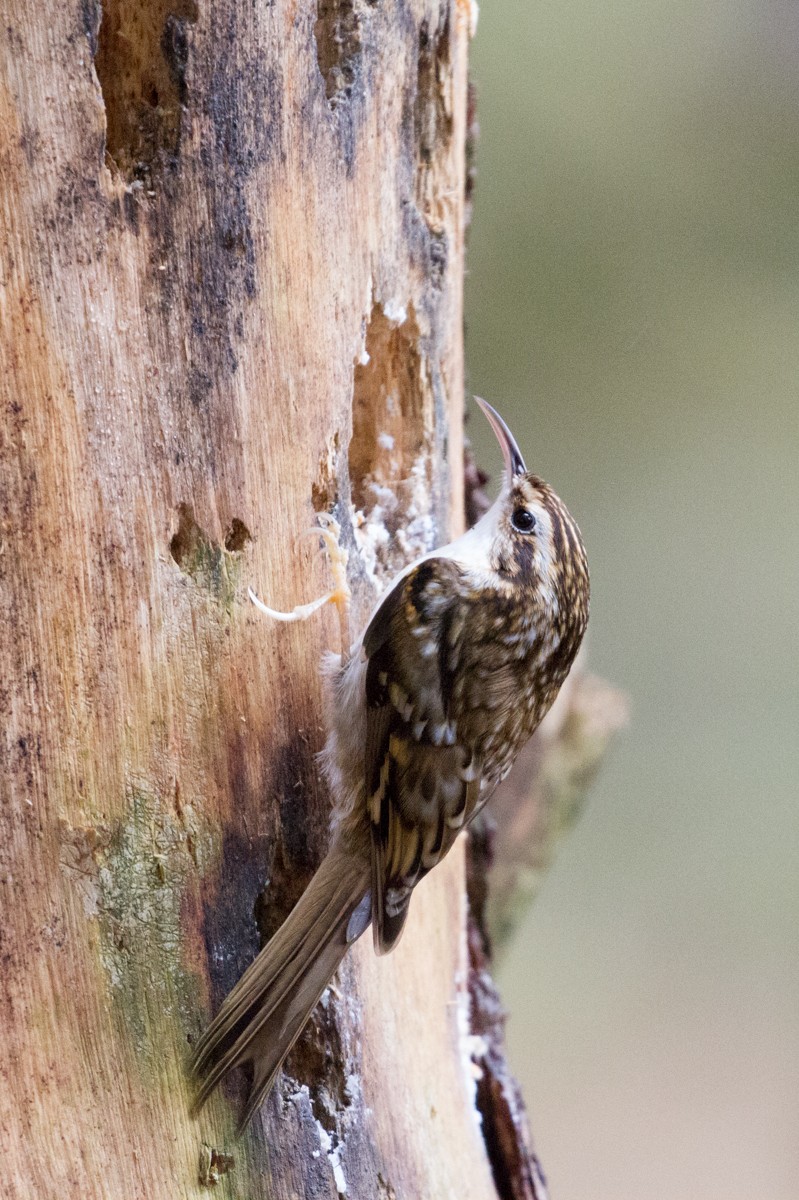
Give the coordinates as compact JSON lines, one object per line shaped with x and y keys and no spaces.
{"x":535,"y":541}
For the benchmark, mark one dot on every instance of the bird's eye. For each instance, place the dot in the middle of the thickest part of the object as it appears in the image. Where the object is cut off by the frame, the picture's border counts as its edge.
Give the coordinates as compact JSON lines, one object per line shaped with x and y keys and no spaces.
{"x":523,"y":520}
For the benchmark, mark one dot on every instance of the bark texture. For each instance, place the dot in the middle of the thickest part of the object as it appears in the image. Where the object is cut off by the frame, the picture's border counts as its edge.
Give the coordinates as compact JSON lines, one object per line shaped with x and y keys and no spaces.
{"x":232,"y":239}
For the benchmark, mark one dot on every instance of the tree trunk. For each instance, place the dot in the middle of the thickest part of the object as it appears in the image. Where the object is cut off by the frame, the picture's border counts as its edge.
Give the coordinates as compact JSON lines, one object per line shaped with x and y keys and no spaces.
{"x":232,"y":263}
{"x":230,"y":297}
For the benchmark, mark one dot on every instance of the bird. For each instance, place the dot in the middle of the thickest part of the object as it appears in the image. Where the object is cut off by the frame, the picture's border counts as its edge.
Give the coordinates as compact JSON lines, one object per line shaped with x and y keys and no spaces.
{"x":425,"y":713}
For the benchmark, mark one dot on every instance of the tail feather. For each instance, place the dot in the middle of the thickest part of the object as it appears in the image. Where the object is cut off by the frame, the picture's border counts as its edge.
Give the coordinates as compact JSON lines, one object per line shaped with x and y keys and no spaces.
{"x":268,"y":1008}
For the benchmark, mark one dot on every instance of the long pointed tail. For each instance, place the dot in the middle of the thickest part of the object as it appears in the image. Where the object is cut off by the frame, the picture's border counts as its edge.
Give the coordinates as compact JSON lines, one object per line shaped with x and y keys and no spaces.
{"x":266,"y":1011}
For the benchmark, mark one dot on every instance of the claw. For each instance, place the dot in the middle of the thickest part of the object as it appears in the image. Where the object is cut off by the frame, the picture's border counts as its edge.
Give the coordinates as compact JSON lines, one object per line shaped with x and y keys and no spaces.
{"x":300,"y":613}
{"x":339,"y":595}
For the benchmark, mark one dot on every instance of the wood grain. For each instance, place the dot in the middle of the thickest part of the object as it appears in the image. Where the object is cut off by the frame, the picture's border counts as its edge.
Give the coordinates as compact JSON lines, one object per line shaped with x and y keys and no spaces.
{"x":211,"y":214}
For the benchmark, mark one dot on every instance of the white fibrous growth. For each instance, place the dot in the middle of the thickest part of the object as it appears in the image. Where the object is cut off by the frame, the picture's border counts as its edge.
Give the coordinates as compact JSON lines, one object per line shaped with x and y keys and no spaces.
{"x":398,"y":527}
{"x":333,"y":1153}
{"x":472,"y":1046}
{"x":417,"y":532}
{"x":395,"y":312}
{"x":371,"y":537}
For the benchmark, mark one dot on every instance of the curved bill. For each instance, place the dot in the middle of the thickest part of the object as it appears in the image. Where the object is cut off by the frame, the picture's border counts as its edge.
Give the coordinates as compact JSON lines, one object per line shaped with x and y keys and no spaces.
{"x":514,"y":463}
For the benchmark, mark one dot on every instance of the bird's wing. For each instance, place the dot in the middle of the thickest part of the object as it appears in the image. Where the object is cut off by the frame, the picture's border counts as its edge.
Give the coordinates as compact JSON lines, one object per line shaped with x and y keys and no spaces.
{"x":422,"y":781}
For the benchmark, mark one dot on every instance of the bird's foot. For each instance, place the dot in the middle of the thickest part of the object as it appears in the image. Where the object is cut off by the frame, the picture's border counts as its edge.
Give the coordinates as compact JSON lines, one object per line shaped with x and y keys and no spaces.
{"x":329,"y":531}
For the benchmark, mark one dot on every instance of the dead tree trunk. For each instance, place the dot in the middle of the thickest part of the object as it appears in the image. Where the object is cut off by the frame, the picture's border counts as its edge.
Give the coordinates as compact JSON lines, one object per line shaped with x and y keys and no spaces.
{"x":231,"y":264}
{"x":232,"y":261}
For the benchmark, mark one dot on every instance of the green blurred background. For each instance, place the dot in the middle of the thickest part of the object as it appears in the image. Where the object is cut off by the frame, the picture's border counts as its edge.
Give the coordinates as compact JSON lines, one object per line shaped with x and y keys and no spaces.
{"x":633,"y":309}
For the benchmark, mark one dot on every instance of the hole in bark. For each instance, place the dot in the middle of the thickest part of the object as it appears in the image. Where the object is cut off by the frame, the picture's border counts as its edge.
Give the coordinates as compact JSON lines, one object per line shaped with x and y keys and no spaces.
{"x":338,"y":47}
{"x":213,"y":1165}
{"x":142,"y":51}
{"x":186,"y":542}
{"x":237,"y":536}
{"x":389,"y":453}
{"x":211,"y":565}
{"x":387,"y":406}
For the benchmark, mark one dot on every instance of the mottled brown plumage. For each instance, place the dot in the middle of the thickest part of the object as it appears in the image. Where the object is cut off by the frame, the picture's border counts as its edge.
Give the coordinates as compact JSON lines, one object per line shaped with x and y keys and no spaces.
{"x":461,"y":660}
{"x":462,"y":666}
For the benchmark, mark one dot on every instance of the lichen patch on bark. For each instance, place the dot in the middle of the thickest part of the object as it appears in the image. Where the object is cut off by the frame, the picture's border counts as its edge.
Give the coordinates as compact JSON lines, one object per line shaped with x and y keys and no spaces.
{"x":215,"y":568}
{"x":134,"y":874}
